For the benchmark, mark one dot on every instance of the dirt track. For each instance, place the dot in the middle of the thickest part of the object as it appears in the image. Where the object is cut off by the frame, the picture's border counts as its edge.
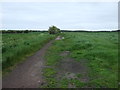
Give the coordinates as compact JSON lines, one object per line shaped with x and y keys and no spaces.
{"x":29,"y":73}
{"x":69,"y":68}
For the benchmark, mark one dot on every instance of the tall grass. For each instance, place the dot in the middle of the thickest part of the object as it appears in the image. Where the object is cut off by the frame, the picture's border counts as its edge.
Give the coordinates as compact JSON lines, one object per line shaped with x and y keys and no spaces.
{"x":99,"y":48}
{"x":16,"y":47}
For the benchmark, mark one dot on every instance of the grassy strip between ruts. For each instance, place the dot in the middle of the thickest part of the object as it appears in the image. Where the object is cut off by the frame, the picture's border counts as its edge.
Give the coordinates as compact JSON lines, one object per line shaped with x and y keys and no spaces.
{"x":99,"y":48}
{"x":16,"y":47}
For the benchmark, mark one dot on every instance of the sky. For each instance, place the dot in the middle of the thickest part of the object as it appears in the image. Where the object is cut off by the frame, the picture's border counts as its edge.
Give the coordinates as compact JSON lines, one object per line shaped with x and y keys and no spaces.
{"x":64,"y":15}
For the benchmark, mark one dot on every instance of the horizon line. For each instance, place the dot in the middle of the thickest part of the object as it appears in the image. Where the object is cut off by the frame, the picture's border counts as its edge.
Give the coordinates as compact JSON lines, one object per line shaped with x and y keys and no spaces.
{"x":66,"y":29}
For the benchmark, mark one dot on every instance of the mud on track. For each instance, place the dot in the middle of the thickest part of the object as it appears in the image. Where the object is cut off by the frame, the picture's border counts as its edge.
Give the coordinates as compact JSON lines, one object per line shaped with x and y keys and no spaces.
{"x":69,"y":68}
{"x":29,"y":73}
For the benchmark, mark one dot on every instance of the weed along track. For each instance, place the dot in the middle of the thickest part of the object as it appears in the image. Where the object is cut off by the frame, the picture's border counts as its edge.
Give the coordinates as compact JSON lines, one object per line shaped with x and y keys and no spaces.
{"x":63,"y":71}
{"x":82,"y":60}
{"x":68,"y":73}
{"x":29,"y":73}
{"x":72,"y":60}
{"x":72,"y":70}
{"x":59,"y":45}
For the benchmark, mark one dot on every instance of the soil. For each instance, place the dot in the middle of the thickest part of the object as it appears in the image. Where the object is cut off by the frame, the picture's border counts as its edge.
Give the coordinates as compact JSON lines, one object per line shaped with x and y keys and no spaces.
{"x":29,"y":73}
{"x":59,"y":38}
{"x":69,"y":68}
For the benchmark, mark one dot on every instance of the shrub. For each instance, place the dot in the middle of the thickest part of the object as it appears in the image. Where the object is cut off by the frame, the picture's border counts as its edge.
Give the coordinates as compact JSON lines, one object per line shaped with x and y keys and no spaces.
{"x":53,"y":30}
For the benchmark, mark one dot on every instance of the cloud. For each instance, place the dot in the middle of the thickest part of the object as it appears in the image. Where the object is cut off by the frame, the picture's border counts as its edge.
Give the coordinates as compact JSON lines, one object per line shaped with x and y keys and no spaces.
{"x":75,"y":15}
{"x":59,"y":0}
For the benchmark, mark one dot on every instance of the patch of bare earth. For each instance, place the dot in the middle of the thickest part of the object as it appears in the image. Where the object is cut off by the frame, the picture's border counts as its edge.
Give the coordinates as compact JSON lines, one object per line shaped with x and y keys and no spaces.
{"x":29,"y":73}
{"x":59,"y":38}
{"x":69,"y":68}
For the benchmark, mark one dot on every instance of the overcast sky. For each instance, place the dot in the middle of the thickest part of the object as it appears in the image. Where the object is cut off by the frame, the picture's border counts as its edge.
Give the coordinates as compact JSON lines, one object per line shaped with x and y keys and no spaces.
{"x":69,"y":15}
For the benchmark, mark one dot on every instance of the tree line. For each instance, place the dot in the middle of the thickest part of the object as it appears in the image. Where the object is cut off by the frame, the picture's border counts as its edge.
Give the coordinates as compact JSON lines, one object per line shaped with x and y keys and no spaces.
{"x":51,"y":30}
{"x":18,"y":31}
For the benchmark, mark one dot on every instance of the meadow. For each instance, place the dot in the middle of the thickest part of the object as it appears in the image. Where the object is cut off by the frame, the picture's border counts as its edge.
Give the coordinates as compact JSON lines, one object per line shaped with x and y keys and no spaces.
{"x":95,"y":53}
{"x":98,"y":49}
{"x":16,"y":47}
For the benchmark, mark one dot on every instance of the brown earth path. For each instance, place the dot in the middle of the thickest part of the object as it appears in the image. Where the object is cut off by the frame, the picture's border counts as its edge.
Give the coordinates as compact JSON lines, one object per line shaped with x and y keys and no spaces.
{"x":29,"y":73}
{"x":69,"y":68}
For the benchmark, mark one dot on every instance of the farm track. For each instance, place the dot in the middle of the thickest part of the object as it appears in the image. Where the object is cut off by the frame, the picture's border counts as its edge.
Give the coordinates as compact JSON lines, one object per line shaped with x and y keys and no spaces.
{"x":69,"y":68}
{"x":29,"y":73}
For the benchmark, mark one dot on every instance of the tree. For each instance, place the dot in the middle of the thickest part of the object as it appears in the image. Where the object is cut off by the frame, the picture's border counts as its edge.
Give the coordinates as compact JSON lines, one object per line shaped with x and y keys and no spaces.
{"x":26,"y":31}
{"x":53,"y":30}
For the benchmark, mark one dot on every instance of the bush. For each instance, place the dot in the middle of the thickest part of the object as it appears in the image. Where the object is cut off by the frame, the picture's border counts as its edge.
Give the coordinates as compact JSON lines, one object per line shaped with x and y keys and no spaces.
{"x":53,"y":30}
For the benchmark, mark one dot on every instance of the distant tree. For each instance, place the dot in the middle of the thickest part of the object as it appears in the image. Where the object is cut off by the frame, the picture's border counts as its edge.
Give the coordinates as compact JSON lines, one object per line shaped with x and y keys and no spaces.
{"x":53,"y":30}
{"x":26,"y":31}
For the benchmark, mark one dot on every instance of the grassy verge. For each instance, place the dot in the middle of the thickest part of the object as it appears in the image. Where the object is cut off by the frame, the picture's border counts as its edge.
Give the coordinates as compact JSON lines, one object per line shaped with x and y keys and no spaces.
{"x":99,"y":48}
{"x":16,"y":47}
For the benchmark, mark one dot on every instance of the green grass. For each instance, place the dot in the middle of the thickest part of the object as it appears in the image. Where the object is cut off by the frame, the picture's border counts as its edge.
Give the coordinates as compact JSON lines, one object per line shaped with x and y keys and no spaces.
{"x":16,"y":47}
{"x":99,"y":48}
{"x":49,"y":72}
{"x":79,"y":75}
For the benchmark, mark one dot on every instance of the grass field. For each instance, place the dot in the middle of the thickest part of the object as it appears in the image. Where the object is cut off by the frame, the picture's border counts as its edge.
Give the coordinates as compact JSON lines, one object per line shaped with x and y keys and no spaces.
{"x":16,"y":47}
{"x":100,"y":49}
{"x":95,"y":53}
